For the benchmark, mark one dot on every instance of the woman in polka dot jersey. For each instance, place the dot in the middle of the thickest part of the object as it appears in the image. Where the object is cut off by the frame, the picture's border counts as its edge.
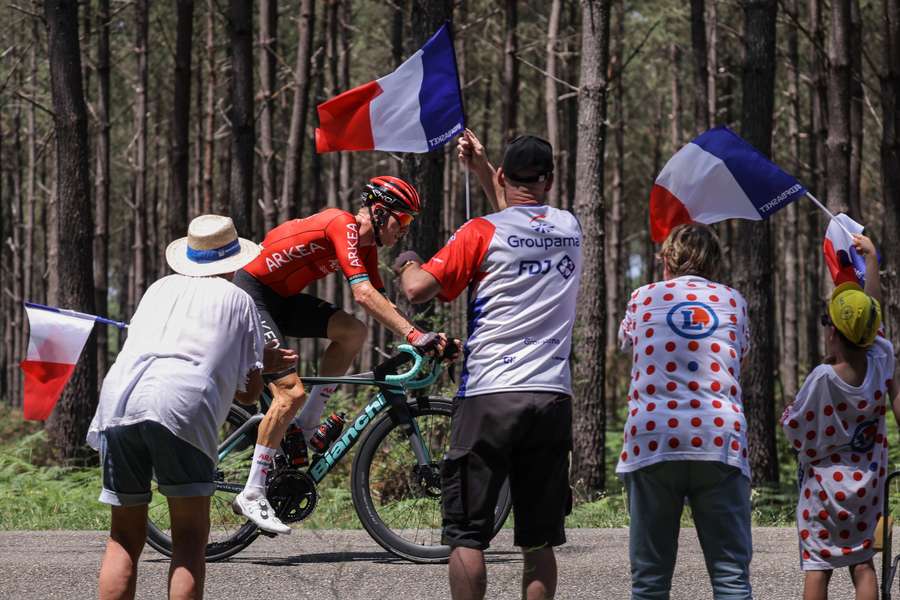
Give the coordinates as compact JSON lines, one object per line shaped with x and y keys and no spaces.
{"x":685,"y":435}
{"x":837,"y":426}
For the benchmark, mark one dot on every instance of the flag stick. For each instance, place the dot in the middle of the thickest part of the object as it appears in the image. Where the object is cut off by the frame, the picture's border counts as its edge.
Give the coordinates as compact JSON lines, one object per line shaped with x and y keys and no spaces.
{"x":80,"y":315}
{"x":468,"y":201}
{"x":828,"y":212}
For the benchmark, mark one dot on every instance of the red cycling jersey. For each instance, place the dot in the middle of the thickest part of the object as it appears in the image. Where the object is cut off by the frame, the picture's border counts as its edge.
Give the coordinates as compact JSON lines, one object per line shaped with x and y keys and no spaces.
{"x":298,"y":252}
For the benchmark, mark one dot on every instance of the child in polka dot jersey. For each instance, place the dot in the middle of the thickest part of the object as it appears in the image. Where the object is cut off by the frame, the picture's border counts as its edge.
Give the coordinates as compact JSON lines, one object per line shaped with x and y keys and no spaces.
{"x":685,"y":435}
{"x":837,"y":426}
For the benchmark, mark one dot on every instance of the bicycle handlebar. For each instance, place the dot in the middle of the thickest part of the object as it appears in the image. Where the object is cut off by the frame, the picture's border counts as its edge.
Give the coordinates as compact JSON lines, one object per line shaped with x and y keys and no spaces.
{"x":407,"y":380}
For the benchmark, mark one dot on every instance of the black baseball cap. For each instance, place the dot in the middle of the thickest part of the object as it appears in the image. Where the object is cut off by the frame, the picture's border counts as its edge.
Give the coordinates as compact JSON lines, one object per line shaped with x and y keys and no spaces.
{"x":528,"y":159}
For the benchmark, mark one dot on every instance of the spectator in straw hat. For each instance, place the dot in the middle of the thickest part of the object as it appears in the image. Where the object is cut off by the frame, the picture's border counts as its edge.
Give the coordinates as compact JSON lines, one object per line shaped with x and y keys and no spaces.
{"x":194,"y":344}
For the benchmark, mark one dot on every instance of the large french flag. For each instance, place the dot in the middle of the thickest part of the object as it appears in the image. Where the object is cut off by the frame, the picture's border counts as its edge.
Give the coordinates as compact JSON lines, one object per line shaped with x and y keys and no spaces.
{"x":844,"y":263}
{"x":417,"y":108}
{"x":714,"y":177}
{"x":55,"y":343}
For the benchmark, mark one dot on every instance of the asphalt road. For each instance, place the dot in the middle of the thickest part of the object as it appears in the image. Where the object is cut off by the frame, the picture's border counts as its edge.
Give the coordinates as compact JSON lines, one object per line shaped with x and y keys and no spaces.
{"x":347,"y":565}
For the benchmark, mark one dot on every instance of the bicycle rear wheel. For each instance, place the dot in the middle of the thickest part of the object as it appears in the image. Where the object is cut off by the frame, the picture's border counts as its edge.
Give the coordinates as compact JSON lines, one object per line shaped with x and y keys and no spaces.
{"x":228,"y":533}
{"x":399,"y":501}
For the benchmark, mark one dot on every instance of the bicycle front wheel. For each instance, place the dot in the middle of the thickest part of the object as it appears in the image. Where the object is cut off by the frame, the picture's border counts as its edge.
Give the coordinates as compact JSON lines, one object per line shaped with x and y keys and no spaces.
{"x":228,"y":533}
{"x":398,"y":500}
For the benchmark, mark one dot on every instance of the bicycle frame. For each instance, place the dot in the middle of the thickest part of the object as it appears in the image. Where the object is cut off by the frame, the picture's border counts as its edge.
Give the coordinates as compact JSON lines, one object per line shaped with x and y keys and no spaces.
{"x":391,"y":396}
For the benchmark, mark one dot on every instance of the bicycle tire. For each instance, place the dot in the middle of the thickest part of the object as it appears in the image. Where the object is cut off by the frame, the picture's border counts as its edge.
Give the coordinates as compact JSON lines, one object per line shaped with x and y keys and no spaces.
{"x":372,"y":516}
{"x":231,"y":533}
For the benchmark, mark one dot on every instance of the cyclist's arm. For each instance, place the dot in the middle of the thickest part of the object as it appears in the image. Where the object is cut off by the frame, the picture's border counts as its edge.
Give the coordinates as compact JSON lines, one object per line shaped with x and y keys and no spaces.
{"x":381,"y":309}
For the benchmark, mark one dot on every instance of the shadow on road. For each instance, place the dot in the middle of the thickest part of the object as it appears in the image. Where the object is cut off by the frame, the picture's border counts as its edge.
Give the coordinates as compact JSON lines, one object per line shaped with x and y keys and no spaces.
{"x":378,"y":558}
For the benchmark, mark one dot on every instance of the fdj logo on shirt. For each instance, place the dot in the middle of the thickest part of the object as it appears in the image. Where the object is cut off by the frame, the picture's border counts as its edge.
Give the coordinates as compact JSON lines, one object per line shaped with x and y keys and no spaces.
{"x":538,"y":224}
{"x":693,"y":320}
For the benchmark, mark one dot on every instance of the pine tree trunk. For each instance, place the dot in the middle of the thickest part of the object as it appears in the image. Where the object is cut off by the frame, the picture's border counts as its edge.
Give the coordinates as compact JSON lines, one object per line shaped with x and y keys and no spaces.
{"x":856,"y":111}
{"x":677,"y":127}
{"x":68,"y":424}
{"x":140,"y":149}
{"x":293,"y":163}
{"x":101,"y":197}
{"x":242,"y":118}
{"x":589,"y":426}
{"x":838,"y":142}
{"x":753,"y":264}
{"x":268,"y":48}
{"x":550,"y":98}
{"x":701,"y":73}
{"x":509,"y":102}
{"x":209,"y":112}
{"x":712,"y":35}
{"x":177,"y":217}
{"x":817,"y":180}
{"x":890,"y":158}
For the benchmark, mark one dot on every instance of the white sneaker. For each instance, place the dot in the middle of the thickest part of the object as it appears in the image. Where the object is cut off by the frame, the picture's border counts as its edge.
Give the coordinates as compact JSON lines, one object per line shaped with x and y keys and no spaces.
{"x":260,"y":512}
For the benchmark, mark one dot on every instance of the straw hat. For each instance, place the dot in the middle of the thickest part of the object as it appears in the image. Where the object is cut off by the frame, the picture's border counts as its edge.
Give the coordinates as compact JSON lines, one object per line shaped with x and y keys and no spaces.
{"x":212,"y":247}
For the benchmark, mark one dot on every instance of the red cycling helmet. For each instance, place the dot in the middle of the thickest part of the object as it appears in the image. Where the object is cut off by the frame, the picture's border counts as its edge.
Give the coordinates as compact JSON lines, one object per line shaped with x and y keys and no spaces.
{"x":393,"y":193}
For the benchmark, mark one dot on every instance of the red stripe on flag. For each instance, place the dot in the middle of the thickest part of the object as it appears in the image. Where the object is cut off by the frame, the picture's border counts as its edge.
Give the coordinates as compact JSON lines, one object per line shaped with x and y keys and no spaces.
{"x":44,"y":383}
{"x":666,"y":211}
{"x":840,"y":273}
{"x":344,"y":122}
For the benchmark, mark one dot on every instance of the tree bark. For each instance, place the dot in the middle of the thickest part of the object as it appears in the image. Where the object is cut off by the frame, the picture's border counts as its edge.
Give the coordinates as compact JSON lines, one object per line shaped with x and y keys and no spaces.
{"x":589,"y":426}
{"x":712,"y":35}
{"x":550,"y":97}
{"x":177,"y":216}
{"x":140,"y":149}
{"x":209,"y":113}
{"x":101,"y":197}
{"x":701,"y":70}
{"x":509,"y":102}
{"x":838,"y":142}
{"x":68,"y":424}
{"x":293,"y":163}
{"x":675,"y":120}
{"x":268,"y":47}
{"x":856,"y":111}
{"x":242,"y":117}
{"x":753,"y":267}
{"x":890,"y":158}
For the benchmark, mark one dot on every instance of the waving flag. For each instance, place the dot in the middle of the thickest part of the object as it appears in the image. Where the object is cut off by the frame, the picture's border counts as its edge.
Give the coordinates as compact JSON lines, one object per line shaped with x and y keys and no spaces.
{"x":844,"y":263}
{"x":714,"y":177}
{"x":417,"y":108}
{"x":54,"y":346}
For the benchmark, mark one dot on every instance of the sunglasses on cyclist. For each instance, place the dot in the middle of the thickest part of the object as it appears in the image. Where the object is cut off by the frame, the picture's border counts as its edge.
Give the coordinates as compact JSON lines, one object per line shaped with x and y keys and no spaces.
{"x":405,"y":219}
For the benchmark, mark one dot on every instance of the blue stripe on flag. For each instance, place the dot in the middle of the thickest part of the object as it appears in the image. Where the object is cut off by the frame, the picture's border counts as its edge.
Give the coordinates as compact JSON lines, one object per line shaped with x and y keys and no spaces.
{"x":768,"y":187}
{"x":440,"y":98}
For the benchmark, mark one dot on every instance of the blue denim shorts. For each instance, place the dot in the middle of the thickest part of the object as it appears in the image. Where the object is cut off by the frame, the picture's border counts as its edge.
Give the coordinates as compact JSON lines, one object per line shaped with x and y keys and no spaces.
{"x":133,"y":455}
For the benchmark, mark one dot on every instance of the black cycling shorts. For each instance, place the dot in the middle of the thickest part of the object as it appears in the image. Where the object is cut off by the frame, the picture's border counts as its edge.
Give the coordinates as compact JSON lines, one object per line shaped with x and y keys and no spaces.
{"x":525,"y":436}
{"x":299,"y":316}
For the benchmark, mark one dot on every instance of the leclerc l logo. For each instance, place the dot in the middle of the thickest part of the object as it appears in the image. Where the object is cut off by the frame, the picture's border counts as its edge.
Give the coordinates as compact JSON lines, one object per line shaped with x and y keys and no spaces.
{"x":692,"y":320}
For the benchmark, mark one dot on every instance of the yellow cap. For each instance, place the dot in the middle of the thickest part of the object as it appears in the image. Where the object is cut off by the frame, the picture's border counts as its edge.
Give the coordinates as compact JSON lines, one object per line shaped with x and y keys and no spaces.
{"x":855,"y":314}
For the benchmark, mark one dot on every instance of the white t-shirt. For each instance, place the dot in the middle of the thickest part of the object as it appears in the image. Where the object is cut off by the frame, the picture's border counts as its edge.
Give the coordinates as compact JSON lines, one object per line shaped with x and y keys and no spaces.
{"x":688,"y":336}
{"x":191,"y":344}
{"x":522,"y":266}
{"x":839,"y":433}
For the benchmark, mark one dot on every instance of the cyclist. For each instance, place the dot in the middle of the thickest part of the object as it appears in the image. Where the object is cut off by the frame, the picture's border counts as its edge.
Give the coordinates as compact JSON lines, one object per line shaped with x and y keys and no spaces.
{"x":293,"y":255}
{"x":513,"y":413}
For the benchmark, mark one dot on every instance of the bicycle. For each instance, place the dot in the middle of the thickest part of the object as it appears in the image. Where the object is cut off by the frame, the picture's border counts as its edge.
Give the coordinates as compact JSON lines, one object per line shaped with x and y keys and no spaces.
{"x":395,"y":478}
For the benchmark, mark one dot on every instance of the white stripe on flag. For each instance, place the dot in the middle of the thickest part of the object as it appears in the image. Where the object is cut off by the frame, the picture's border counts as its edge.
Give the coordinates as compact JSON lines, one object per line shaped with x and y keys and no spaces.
{"x":395,"y":114}
{"x":55,"y":337}
{"x":705,"y":186}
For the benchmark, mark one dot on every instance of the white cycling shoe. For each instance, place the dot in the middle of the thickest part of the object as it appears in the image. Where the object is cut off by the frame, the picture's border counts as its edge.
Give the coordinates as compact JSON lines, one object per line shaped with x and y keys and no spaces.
{"x":260,"y":512}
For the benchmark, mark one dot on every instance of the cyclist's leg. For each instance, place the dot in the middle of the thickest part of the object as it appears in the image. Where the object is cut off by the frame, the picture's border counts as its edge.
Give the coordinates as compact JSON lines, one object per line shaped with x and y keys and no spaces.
{"x":312,"y":317}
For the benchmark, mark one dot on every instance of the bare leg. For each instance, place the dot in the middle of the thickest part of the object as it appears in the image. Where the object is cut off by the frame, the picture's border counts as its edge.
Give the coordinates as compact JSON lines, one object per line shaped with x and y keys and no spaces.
{"x":815,"y":586}
{"x":539,"y":574}
{"x":468,"y":575}
{"x":190,"y":532}
{"x":865,"y":580}
{"x":347,"y":335}
{"x":288,"y":397}
{"x":118,"y":570}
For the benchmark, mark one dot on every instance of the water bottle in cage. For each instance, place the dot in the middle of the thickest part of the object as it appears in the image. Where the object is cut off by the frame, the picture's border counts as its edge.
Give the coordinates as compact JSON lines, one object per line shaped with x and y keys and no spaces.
{"x":327,"y":432}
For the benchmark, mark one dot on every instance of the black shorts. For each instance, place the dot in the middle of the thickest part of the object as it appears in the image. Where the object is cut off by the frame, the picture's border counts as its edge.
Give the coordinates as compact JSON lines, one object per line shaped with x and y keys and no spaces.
{"x":299,"y":316}
{"x":525,"y":436}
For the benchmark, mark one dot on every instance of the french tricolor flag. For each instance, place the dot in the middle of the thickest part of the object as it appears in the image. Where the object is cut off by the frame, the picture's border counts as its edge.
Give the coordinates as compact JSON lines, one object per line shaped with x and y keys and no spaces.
{"x":718,"y":176}
{"x":843,"y":261}
{"x":417,"y":108}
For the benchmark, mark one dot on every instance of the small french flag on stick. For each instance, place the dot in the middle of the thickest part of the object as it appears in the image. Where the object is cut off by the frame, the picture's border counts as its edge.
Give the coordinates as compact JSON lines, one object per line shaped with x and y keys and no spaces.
{"x":417,"y":108}
{"x":843,"y":261}
{"x":714,"y":177}
{"x":56,"y":340}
